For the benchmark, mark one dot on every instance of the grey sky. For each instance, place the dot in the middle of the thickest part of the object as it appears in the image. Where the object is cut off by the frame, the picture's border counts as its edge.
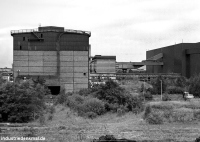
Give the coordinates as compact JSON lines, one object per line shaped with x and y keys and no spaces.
{"x":125,"y":28}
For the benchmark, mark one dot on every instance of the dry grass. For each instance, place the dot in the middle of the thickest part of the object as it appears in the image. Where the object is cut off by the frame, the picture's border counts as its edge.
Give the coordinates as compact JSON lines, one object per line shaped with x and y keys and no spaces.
{"x":67,"y":126}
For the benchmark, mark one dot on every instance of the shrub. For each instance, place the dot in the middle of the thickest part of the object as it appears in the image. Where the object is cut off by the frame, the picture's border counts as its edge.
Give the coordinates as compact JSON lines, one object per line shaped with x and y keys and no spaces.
{"x":84,"y":92}
{"x":155,"y":117}
{"x":147,"y":111}
{"x":156,"y":83}
{"x":194,"y":85}
{"x":50,"y":116}
{"x":93,"y":105}
{"x":181,"y":82}
{"x":166,"y":97}
{"x":175,"y":90}
{"x":62,"y":97}
{"x":51,"y":109}
{"x":115,"y":96}
{"x":162,"y":105}
{"x":111,"y":107}
{"x":182,"y":115}
{"x":121,"y":110}
{"x":135,"y":104}
{"x":158,"y":113}
{"x":28,"y":98}
{"x":147,"y":95}
{"x":91,"y":115}
{"x":75,"y":101}
{"x":83,"y":105}
{"x":197,"y":114}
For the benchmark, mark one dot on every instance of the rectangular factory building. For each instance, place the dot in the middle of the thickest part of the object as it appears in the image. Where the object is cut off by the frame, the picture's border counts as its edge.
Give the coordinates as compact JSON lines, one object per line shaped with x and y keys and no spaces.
{"x":58,"y":55}
{"x":179,"y":58}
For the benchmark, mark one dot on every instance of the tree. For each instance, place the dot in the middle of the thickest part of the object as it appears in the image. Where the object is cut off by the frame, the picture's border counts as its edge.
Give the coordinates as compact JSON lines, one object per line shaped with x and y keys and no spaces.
{"x":18,"y":102}
{"x":156,"y":83}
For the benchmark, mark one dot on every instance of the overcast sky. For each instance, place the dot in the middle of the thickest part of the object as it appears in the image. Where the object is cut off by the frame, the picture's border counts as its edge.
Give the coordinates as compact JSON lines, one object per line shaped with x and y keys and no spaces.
{"x":125,"y":28}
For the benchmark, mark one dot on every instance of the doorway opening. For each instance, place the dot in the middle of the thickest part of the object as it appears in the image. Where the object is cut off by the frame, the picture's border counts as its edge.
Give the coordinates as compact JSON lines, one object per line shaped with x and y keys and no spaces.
{"x":55,"y":90}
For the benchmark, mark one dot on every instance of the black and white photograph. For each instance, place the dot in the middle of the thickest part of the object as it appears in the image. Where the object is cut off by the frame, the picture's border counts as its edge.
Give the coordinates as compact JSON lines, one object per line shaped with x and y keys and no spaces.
{"x":99,"y":71}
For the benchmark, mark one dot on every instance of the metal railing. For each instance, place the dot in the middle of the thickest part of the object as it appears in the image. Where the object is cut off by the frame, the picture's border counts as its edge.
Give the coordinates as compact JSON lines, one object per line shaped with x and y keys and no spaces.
{"x":24,"y":31}
{"x":51,"y":30}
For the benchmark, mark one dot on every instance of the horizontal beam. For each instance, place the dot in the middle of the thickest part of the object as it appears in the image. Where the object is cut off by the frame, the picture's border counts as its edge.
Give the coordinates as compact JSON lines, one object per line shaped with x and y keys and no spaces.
{"x":135,"y":65}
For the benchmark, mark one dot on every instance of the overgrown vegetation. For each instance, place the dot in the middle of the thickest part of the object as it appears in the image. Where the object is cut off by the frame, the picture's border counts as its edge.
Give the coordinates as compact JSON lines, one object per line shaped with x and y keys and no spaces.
{"x":194,"y":85}
{"x":101,"y":99}
{"x":156,"y":83}
{"x":165,"y":112}
{"x":21,"y":102}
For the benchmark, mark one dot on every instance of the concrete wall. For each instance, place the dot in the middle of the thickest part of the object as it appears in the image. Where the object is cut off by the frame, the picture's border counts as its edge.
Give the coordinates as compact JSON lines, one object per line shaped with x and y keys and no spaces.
{"x":35,"y":62}
{"x":105,"y":66}
{"x":74,"y":69}
{"x":73,"y":66}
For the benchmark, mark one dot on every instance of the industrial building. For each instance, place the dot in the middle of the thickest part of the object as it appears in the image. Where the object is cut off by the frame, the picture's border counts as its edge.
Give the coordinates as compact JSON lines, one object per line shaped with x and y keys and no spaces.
{"x":103,"y":64}
{"x":180,"y":58}
{"x":102,"y":67}
{"x":58,"y":55}
{"x":6,"y":74}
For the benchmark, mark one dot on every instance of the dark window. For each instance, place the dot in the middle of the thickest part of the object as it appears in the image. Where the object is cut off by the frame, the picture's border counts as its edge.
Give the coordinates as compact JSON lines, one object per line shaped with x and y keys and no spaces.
{"x":41,"y":35}
{"x":20,"y":47}
{"x":24,"y":39}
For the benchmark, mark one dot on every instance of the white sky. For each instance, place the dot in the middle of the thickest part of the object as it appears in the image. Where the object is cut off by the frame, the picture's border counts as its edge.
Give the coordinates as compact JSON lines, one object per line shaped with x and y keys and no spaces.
{"x":125,"y":28}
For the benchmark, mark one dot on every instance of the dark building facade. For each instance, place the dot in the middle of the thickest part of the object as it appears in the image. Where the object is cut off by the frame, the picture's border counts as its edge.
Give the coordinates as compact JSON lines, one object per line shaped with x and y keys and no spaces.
{"x":180,"y":58}
{"x":58,"y":55}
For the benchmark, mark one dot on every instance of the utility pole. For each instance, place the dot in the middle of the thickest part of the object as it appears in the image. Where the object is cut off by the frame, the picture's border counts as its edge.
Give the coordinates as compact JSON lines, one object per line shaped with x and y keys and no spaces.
{"x":161,"y":89}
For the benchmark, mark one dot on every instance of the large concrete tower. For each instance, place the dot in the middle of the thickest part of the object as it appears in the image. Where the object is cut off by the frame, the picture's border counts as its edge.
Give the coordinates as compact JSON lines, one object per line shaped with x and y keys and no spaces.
{"x":58,"y":55}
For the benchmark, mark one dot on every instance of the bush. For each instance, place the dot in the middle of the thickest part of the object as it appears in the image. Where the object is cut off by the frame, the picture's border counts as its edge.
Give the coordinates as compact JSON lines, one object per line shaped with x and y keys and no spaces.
{"x":175,"y":90}
{"x":62,"y":97}
{"x":75,"y":101}
{"x":147,"y":111}
{"x":86,"y":105}
{"x":197,"y":114}
{"x":156,"y":83}
{"x":166,"y":97}
{"x":50,"y":116}
{"x":116,"y":96}
{"x":155,"y":117}
{"x":135,"y":104}
{"x":147,"y":95}
{"x":91,"y":115}
{"x":158,"y":113}
{"x":18,"y":102}
{"x":194,"y":85}
{"x":84,"y":92}
{"x":121,"y":110}
{"x":162,"y":106}
{"x":182,"y":115}
{"x":181,"y":82}
{"x":93,"y":105}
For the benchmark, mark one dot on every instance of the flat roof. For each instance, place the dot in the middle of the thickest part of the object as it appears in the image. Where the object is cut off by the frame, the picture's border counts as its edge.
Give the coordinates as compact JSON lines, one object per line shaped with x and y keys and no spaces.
{"x":50,"y":29}
{"x":104,"y":57}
